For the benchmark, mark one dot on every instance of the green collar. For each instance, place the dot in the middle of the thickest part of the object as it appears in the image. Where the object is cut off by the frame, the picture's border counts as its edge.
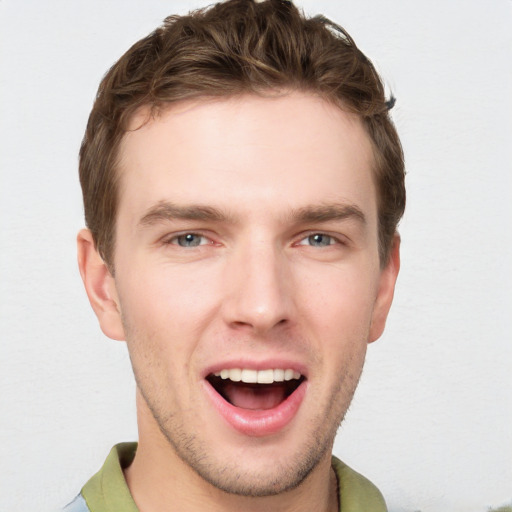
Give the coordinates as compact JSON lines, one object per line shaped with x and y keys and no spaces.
{"x":107,"y":491}
{"x":355,"y":492}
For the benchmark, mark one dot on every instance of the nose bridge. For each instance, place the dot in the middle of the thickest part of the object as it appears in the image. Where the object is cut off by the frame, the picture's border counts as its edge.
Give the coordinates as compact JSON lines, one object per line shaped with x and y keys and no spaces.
{"x":258,"y":284}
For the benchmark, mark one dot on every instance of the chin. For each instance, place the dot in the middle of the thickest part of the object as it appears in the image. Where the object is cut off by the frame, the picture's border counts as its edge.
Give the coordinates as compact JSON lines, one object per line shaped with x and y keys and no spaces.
{"x":263,"y":478}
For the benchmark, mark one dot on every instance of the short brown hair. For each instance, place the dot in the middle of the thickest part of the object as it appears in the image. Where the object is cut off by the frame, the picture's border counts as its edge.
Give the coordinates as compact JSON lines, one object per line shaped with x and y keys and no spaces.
{"x":232,"y":48}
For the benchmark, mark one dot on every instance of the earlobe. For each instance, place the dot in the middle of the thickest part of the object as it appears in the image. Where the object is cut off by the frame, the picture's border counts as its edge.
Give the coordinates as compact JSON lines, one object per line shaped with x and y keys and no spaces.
{"x":385,"y":292}
{"x":100,"y":286}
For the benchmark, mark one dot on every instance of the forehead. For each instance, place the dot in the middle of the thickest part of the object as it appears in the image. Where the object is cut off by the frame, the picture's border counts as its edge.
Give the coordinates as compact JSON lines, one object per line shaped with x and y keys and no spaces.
{"x":251,"y":152}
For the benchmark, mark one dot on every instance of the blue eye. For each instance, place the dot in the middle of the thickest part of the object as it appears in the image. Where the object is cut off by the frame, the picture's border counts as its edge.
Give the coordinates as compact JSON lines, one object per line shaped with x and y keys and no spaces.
{"x":189,"y":240}
{"x":320,"y":240}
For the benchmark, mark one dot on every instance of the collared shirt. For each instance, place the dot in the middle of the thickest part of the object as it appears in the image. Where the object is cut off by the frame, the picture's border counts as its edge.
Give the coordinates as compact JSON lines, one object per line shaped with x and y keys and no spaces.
{"x":107,"y":490}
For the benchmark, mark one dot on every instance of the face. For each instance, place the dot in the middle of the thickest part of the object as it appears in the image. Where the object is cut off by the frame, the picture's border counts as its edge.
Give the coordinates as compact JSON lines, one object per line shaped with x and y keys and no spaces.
{"x":247,"y":281}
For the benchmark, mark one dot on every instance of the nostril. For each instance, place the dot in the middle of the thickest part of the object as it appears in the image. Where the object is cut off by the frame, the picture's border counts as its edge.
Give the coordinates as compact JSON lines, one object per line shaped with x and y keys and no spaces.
{"x":258,"y":325}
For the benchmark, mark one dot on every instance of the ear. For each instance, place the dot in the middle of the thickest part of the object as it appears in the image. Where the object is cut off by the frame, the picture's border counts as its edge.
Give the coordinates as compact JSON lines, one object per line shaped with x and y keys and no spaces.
{"x":100,"y":286}
{"x":385,"y":291}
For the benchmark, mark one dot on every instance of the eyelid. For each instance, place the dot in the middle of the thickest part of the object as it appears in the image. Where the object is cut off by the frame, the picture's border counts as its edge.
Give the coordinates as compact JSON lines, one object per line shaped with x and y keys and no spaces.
{"x":171,"y":239}
{"x":338,"y":237}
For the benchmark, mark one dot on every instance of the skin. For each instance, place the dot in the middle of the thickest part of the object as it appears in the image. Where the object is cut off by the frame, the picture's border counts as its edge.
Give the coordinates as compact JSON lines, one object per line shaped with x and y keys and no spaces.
{"x":259,"y":286}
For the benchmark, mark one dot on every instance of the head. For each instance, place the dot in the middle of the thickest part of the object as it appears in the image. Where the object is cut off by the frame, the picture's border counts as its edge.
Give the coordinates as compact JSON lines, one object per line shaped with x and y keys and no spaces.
{"x":234,"y":48}
{"x":242,"y":184}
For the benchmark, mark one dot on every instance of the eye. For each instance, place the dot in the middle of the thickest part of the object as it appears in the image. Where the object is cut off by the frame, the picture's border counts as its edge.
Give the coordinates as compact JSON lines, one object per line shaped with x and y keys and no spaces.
{"x":318,"y":240}
{"x":189,"y":240}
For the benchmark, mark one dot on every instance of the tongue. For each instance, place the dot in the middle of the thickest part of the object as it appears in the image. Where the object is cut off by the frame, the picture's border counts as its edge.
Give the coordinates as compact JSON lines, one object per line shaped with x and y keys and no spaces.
{"x":254,"y":396}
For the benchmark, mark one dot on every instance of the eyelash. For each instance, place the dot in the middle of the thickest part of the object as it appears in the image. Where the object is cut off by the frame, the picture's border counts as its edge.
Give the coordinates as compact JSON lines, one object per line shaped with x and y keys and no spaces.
{"x":333,"y":240}
{"x":174,"y":240}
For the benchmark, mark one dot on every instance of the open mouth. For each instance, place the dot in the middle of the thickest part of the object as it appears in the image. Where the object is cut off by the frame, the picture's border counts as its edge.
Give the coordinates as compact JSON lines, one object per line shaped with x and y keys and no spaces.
{"x":255,"y":389}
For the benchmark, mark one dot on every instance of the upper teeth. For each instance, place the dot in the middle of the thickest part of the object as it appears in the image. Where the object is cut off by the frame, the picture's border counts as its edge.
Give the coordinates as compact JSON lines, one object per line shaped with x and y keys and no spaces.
{"x":258,"y":376}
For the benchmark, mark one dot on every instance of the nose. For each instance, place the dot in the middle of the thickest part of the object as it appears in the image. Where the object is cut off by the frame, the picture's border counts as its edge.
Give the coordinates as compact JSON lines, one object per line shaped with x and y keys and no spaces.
{"x":258,"y":286}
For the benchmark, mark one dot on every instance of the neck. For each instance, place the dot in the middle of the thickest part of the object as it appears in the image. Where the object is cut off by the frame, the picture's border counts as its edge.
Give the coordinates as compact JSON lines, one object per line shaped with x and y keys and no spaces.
{"x":160,"y":481}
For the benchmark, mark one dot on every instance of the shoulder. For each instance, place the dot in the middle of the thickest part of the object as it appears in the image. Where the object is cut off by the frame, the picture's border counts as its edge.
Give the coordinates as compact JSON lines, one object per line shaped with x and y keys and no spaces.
{"x":356,"y":492}
{"x":107,"y":489}
{"x":77,"y":505}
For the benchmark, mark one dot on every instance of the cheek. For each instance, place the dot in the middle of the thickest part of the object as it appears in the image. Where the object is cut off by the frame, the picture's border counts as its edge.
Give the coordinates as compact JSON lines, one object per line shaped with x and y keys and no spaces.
{"x":171,"y":294}
{"x":164,"y":313}
{"x":338,"y":297}
{"x":160,"y":337}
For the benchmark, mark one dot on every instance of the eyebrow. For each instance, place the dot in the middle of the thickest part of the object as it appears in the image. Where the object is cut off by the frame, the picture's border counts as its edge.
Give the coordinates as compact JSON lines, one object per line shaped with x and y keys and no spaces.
{"x":328,"y":212}
{"x":165,"y":211}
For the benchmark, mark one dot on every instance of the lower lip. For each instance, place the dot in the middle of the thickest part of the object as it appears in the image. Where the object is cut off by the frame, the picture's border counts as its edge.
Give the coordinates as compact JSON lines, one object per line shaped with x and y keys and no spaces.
{"x":258,"y":423}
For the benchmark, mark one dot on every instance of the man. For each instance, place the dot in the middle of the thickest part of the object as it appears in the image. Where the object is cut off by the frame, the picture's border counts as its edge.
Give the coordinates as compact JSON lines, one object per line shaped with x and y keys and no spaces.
{"x":242,"y":185}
